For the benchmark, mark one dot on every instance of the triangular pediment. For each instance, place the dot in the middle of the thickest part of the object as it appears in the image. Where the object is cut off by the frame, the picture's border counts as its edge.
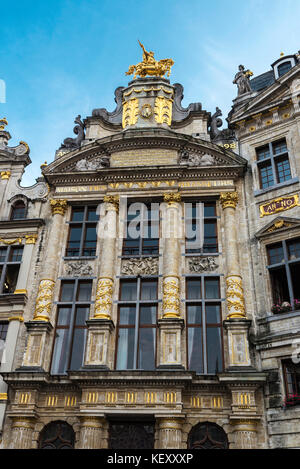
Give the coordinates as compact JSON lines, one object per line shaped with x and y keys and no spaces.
{"x":135,"y":150}
{"x":278,"y":225}
{"x":279,"y":92}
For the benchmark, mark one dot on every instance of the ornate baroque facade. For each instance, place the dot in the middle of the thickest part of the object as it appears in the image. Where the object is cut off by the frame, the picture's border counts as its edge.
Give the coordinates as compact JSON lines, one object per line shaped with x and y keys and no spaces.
{"x":157,"y":340}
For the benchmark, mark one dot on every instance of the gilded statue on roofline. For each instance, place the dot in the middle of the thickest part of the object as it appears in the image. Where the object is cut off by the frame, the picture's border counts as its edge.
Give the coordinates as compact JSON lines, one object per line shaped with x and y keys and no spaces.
{"x":150,"y":66}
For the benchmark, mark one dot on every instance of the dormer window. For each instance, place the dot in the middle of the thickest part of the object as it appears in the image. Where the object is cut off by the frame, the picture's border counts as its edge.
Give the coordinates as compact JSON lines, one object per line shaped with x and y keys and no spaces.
{"x":284,"y":68}
{"x":18,"y":210}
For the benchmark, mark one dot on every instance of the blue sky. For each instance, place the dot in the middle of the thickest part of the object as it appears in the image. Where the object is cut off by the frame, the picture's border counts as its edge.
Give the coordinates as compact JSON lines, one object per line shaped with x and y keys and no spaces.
{"x":61,"y":58}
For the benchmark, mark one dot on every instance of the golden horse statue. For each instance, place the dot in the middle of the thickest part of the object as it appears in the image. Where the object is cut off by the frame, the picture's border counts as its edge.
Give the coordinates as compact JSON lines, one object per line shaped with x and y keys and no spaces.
{"x":150,"y":66}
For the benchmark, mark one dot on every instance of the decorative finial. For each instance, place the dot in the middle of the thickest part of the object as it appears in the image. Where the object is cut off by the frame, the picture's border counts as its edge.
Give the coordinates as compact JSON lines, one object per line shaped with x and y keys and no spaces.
{"x":150,"y":66}
{"x":44,"y":165}
{"x":281,"y":54}
{"x":3,"y":123}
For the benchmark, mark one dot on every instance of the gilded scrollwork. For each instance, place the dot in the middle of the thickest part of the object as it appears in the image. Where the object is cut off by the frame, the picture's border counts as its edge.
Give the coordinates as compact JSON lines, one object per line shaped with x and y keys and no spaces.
{"x":171,"y":301}
{"x":130,"y":112}
{"x":163,"y":110}
{"x":103,"y":301}
{"x":235,"y":297}
{"x":44,"y":300}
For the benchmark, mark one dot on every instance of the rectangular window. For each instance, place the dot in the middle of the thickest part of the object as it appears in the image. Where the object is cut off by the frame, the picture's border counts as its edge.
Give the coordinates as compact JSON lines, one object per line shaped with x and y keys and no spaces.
{"x":3,"y":333}
{"x":200,"y":227}
{"x":82,"y":239}
{"x":204,"y":325}
{"x":291,"y":374}
{"x":136,"y":344}
{"x":10,"y":261}
{"x":273,"y":164}
{"x":142,"y":229}
{"x":70,"y":332}
{"x":284,"y":271}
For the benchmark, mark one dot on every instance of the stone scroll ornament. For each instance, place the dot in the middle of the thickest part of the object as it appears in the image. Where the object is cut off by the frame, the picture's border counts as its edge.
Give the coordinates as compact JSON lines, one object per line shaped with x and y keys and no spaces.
{"x":74,"y":143}
{"x":142,"y":266}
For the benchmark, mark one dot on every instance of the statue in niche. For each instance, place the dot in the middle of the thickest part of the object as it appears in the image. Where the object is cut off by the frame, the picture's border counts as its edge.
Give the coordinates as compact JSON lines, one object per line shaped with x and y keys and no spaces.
{"x":242,"y":81}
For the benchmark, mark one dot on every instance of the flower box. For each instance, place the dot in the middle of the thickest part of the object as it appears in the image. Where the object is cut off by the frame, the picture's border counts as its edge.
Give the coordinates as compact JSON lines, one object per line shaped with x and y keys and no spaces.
{"x":292,"y":400}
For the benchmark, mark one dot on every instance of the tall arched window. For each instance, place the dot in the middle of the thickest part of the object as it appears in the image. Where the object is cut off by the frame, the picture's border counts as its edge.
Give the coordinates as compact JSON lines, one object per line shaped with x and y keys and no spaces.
{"x":57,"y":435}
{"x":207,"y":435}
{"x":18,"y":210}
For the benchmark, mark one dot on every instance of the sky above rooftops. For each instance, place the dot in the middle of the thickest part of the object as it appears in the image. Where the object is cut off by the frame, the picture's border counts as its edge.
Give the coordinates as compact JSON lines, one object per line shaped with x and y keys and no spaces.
{"x":61,"y":58}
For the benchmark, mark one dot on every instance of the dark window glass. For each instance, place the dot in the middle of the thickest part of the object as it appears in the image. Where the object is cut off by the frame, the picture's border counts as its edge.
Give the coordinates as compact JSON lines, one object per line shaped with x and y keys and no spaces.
{"x":18,"y":211}
{"x":57,"y":435}
{"x":142,"y":233}
{"x":70,"y":331}
{"x":201,"y":227}
{"x":275,"y":254}
{"x":204,"y":325}
{"x":284,"y":68}
{"x":10,"y":261}
{"x":137,"y":325}
{"x":291,"y":374}
{"x":277,"y":167}
{"x":83,"y":232}
{"x":3,"y":333}
{"x":294,"y":249}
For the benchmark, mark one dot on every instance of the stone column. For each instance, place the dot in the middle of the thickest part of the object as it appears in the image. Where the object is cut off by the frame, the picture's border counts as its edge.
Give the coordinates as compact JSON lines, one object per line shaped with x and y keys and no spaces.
{"x":22,"y":429}
{"x":170,"y":433}
{"x":171,"y":323}
{"x":236,"y":323}
{"x":245,"y":433}
{"x":21,"y":286}
{"x":100,"y":325}
{"x":91,"y":433}
{"x":40,"y":327}
{"x":46,"y":287}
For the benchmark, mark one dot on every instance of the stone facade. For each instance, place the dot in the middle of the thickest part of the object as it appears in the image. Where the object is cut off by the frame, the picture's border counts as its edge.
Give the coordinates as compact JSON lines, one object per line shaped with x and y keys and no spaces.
{"x":225,"y":373}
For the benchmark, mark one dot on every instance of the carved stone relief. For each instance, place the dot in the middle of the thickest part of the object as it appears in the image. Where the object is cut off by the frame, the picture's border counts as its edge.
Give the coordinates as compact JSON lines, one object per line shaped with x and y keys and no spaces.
{"x":92,"y":165}
{"x":140,"y":266}
{"x":192,"y":159}
{"x":202,"y":264}
{"x":78,"y":269}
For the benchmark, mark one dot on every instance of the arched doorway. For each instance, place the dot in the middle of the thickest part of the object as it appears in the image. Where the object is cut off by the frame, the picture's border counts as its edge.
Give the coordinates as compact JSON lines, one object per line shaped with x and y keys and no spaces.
{"x":207,"y":435}
{"x":57,"y":435}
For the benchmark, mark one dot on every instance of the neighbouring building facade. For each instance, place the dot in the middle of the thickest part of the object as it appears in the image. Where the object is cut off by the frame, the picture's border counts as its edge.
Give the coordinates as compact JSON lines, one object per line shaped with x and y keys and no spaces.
{"x":149,"y":293}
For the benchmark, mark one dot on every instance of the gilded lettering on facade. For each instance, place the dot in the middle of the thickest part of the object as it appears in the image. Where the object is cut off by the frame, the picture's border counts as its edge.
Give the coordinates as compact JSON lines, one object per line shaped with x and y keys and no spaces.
{"x":279,"y":205}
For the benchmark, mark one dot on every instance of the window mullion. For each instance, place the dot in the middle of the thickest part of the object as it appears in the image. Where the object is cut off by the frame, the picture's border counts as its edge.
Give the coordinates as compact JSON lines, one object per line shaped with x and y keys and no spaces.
{"x":71,"y":327}
{"x":273,"y":164}
{"x":137,"y":323}
{"x":288,"y":273}
{"x":203,"y":325}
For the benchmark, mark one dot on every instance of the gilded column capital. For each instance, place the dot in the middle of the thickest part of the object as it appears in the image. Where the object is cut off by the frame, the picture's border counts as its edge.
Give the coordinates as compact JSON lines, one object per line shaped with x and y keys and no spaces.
{"x":31,"y":239}
{"x":58,"y":206}
{"x":5,"y":174}
{"x":229,"y":199}
{"x":172,"y":198}
{"x":113,"y":201}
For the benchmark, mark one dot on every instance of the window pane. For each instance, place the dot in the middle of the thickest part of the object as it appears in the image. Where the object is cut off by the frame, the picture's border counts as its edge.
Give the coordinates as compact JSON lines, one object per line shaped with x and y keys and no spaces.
{"x":84,"y":291}
{"x":263,"y":152}
{"x":77,"y":348}
{"x":294,"y":249}
{"x":128,"y":291}
{"x":213,"y":313}
{"x":67,"y":291}
{"x":214,"y":350}
{"x":74,"y":241}
{"x":125,"y":354}
{"x":89,"y":246}
{"x":146,"y":356}
{"x":92,"y":215}
{"x":284,"y":68}
{"x":283,"y":169}
{"x":18,"y":211}
{"x":194,"y":314}
{"x":127,"y":315}
{"x":279,"y":147}
{"x":210,"y":236}
{"x":3,"y":252}
{"x":16,"y":254}
{"x":195,"y":354}
{"x":148,"y":290}
{"x":77,"y":214}
{"x":60,"y":351}
{"x":64,"y":316}
{"x":209,"y":210}
{"x":81,"y":315}
{"x":275,"y":254}
{"x":148,"y":315}
{"x":266,"y":176}
{"x":11,"y":277}
{"x":295,"y":274}
{"x":212,"y":289}
{"x":280,"y":289}
{"x":150,"y":246}
{"x":3,"y":330}
{"x":131,"y":247}
{"x":193,"y":289}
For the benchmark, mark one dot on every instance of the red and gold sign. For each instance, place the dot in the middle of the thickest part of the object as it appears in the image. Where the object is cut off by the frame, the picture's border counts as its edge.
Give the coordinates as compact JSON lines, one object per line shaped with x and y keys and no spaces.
{"x":279,"y":205}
